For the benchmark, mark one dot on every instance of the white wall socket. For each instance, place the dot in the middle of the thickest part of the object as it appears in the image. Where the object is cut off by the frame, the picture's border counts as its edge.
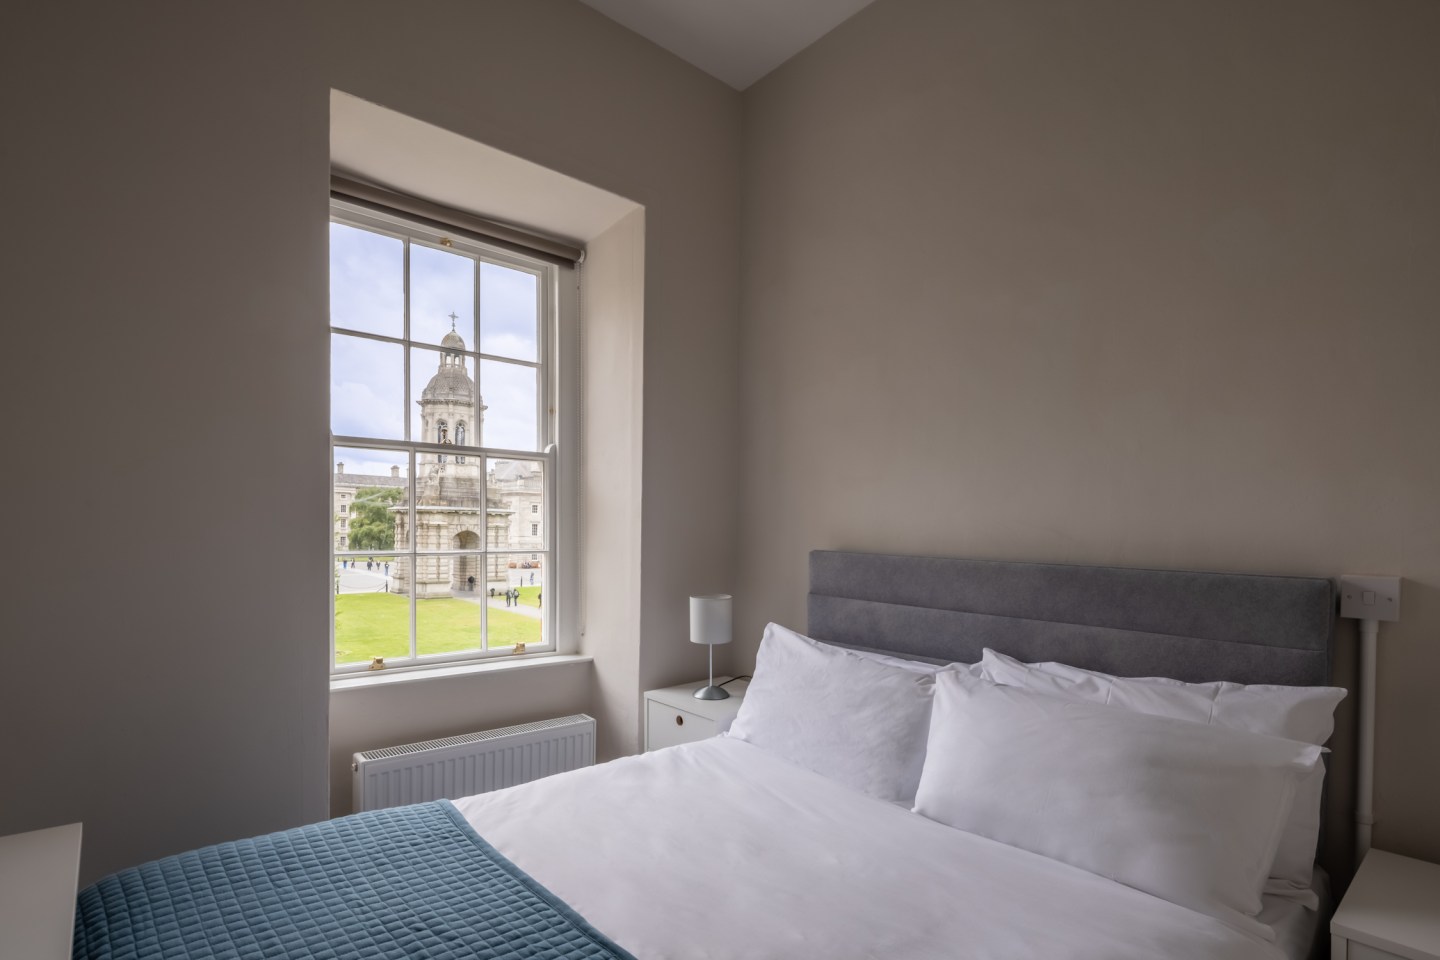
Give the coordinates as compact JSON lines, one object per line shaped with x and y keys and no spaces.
{"x":1370,"y":598}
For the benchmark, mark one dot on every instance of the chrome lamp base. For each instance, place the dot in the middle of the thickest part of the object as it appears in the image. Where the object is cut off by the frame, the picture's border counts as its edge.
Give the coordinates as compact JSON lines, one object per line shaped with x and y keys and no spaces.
{"x":710,"y":691}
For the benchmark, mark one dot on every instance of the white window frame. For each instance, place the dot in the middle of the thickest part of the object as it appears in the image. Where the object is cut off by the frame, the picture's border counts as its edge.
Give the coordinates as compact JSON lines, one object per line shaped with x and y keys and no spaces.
{"x":557,"y":417}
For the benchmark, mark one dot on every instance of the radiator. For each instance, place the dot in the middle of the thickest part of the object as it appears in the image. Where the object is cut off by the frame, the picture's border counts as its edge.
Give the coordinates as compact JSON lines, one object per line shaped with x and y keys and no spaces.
{"x":472,"y":763}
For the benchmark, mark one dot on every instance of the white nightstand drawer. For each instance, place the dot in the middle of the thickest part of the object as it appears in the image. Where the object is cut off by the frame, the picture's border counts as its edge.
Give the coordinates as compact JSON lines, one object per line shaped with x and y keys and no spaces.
{"x":1361,"y":951}
{"x":667,"y":726}
{"x":673,"y":715}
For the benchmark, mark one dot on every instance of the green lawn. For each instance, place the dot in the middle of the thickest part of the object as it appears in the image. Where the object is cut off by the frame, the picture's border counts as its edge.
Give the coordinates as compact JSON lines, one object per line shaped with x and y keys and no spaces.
{"x":378,"y":625}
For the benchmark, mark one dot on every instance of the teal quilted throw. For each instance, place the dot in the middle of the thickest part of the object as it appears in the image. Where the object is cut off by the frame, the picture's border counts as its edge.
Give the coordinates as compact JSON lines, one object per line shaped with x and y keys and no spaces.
{"x":408,"y":883}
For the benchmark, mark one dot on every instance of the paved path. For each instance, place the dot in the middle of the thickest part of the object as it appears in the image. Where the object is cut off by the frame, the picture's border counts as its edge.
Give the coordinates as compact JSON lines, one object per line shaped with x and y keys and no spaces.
{"x":498,"y":603}
{"x":360,"y":580}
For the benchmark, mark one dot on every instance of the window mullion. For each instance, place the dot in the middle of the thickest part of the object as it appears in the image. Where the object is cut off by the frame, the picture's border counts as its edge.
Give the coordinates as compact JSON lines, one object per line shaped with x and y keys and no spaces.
{"x":414,"y":555}
{"x":405,"y":408}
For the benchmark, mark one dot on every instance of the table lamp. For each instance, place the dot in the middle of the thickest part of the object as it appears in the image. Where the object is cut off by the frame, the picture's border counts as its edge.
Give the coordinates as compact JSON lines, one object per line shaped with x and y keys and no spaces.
{"x":710,"y":625}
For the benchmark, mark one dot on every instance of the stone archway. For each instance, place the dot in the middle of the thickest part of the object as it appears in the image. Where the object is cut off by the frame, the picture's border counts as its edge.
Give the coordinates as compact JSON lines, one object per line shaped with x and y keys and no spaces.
{"x":465,"y":572}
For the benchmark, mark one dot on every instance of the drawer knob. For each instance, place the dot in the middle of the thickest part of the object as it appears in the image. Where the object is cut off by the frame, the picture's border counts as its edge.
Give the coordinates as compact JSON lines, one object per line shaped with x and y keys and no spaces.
{"x":679,"y":720}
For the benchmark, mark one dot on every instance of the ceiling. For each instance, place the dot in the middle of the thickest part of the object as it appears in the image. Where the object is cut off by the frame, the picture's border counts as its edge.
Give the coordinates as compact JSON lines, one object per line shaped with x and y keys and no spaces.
{"x":737,"y":41}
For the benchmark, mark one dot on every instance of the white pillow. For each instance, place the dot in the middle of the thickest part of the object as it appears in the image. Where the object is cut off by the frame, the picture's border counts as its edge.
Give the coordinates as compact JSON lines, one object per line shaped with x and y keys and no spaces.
{"x":918,"y":666}
{"x":1306,"y":714}
{"x":856,"y":721}
{"x":1184,"y":811}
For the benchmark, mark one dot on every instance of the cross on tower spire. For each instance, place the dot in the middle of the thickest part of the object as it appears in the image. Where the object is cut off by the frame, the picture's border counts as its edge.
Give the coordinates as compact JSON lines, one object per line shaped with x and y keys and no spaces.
{"x":453,"y":318}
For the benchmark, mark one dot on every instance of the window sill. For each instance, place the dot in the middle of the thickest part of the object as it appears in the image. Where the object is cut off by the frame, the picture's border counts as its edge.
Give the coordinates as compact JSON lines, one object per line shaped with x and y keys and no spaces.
{"x":380,"y":678}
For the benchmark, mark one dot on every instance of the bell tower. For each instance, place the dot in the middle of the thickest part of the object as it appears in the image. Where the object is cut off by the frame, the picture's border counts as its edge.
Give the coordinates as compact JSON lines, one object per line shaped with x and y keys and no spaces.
{"x":449,"y":488}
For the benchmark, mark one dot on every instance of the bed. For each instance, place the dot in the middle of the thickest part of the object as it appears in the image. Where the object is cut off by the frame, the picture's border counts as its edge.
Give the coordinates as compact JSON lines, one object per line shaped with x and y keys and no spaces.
{"x":724,"y":849}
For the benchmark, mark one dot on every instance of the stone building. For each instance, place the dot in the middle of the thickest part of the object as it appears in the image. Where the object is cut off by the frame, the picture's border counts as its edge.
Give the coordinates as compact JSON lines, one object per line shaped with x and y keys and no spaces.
{"x":516,"y":489}
{"x":346,"y":486}
{"x":456,"y":507}
{"x":450,"y":503}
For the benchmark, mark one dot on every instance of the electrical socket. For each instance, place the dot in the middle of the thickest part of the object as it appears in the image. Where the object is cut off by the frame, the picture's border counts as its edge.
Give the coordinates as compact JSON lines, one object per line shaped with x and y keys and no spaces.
{"x":1370,"y":598}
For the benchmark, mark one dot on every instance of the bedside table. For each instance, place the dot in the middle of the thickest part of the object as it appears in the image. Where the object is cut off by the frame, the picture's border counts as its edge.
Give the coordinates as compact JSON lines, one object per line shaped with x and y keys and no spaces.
{"x":673,"y":715}
{"x":38,"y":873}
{"x":1391,"y":911}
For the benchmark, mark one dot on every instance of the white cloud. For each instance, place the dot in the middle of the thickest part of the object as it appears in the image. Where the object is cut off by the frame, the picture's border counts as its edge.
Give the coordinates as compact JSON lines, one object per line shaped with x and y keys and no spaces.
{"x":367,"y":388}
{"x":366,"y":281}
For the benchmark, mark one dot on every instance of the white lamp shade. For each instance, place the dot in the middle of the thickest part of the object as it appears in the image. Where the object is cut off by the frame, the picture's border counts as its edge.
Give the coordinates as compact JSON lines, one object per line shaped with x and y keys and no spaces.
{"x":710,"y":619}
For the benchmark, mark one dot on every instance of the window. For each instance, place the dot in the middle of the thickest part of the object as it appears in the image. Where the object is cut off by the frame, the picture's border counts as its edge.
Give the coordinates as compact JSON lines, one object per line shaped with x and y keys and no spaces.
{"x":342,"y":508}
{"x":442,"y":396}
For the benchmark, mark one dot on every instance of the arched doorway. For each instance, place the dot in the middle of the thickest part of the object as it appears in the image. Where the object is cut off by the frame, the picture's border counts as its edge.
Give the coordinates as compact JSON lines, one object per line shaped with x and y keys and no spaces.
{"x":465,"y":574}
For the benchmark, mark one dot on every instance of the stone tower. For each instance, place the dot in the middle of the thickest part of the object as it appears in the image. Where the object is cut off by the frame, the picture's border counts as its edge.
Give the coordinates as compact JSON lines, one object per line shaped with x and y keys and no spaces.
{"x":449,"y":489}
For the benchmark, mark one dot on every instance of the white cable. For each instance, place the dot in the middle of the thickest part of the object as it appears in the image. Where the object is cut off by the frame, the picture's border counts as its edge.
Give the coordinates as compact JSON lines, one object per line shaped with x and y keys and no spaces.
{"x":1365,"y":780}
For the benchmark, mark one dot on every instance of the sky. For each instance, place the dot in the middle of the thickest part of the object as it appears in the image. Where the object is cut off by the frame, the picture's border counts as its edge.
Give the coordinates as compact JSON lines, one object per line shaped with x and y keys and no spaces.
{"x":367,"y":379}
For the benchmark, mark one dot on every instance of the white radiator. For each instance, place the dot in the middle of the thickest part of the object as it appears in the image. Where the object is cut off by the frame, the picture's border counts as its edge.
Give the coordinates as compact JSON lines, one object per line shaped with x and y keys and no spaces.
{"x":472,"y":763}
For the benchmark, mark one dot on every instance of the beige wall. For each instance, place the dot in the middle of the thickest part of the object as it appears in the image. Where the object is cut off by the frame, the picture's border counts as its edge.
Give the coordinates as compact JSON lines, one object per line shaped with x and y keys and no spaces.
{"x":611,"y":502}
{"x":166,"y":181}
{"x":164,"y":295}
{"x":1143,"y":283}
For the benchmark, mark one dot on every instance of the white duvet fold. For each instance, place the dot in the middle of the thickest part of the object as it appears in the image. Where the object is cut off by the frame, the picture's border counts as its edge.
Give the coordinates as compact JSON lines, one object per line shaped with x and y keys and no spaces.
{"x":719,"y":850}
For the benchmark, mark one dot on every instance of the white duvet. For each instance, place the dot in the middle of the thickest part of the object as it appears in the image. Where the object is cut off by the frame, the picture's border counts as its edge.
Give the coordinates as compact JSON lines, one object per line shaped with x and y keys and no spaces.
{"x":719,"y":850}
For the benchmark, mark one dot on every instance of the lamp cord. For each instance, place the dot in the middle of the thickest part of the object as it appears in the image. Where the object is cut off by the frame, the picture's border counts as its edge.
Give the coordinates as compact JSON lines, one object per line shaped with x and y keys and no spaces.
{"x":733,"y":679}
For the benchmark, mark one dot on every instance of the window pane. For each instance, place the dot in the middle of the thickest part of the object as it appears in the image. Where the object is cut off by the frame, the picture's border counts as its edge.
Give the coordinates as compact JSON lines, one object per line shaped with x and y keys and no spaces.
{"x":518,"y":608}
{"x":442,"y":393}
{"x":515,"y":511}
{"x":367,"y":281}
{"x":509,"y":306}
{"x":367,"y":388}
{"x":449,"y":604}
{"x":370,"y":620}
{"x":441,"y":283}
{"x":509,"y":394}
{"x":373,"y":487}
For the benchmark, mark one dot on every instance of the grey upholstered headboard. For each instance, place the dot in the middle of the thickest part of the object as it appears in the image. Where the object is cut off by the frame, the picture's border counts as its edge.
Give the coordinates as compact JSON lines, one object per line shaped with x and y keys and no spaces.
{"x":1194,"y":627}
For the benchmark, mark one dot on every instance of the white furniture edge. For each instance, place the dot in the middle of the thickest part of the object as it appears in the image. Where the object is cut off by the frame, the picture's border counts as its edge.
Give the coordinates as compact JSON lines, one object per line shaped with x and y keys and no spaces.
{"x":39,"y":872}
{"x":1388,"y":892}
